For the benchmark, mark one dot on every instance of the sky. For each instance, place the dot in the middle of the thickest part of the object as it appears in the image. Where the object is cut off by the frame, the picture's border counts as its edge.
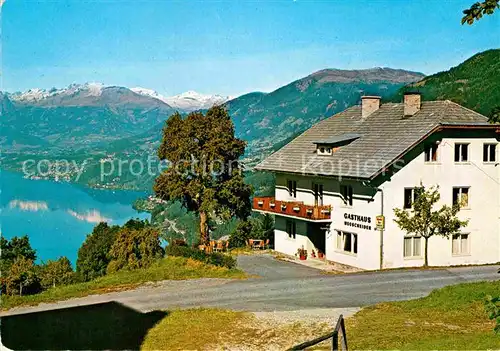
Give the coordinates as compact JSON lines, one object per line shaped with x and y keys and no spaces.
{"x":229,"y":48}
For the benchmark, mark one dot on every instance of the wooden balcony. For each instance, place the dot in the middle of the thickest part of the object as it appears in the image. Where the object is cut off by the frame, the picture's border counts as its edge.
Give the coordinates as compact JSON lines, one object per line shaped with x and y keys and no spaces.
{"x":292,"y":209}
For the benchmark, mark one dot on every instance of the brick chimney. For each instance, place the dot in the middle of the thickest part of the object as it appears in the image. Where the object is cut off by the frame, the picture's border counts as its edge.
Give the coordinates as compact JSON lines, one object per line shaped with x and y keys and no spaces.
{"x":369,"y":104}
{"x":412,"y":103}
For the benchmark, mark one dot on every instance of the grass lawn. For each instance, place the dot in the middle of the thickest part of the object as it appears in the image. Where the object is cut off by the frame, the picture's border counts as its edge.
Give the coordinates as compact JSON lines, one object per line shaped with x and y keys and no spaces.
{"x":217,"y":329}
{"x":171,"y":268}
{"x":450,"y":318}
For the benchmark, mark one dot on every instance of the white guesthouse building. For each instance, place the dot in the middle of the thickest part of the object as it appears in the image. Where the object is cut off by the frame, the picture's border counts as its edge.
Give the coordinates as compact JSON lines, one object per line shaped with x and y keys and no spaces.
{"x":335,"y":179}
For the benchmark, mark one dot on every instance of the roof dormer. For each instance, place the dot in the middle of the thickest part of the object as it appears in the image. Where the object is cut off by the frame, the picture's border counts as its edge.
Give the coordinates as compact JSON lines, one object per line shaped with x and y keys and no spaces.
{"x":330,"y":145}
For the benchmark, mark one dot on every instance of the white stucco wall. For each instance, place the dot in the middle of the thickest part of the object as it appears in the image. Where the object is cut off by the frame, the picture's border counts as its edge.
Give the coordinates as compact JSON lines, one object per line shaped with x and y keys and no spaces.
{"x":483,"y":212}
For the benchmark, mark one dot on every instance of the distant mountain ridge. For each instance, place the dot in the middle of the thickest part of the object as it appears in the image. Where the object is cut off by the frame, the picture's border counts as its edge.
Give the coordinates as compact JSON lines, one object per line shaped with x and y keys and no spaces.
{"x":98,"y":122}
{"x":264,"y":119}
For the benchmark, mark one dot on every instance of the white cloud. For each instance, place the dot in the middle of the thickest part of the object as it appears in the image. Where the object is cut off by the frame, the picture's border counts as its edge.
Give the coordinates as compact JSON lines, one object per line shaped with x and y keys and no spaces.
{"x":90,"y":216}
{"x":33,"y":206}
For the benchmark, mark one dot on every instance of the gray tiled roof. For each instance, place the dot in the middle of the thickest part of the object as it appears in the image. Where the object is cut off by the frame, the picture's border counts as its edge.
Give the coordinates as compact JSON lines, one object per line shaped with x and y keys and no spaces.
{"x":385,"y":135}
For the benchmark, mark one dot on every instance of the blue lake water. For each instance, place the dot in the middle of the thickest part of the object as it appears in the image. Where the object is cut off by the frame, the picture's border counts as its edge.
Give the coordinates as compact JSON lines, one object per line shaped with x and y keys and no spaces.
{"x":58,"y":216}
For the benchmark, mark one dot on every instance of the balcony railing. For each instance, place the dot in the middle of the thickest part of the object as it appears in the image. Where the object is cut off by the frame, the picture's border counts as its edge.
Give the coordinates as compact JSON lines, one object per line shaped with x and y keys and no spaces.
{"x":292,"y":208}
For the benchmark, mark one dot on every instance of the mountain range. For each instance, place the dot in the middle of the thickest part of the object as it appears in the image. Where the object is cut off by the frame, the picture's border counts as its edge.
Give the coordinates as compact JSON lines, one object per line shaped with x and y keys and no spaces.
{"x":95,"y":122}
{"x":97,"y":94}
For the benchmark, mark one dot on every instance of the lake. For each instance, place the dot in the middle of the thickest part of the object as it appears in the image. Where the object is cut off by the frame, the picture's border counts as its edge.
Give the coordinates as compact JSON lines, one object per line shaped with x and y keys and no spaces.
{"x":58,"y":216}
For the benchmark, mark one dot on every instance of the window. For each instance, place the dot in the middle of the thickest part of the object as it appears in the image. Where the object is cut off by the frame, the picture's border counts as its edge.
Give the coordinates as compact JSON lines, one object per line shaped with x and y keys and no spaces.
{"x":431,"y":153}
{"x":324,"y":150}
{"x":347,"y":242}
{"x":318,"y":194}
{"x":292,"y":188}
{"x":461,"y":196}
{"x":346,"y":192}
{"x":412,"y":246}
{"x":489,"y":152}
{"x":410,"y":195}
{"x":461,"y":152}
{"x":460,"y":244}
{"x":291,"y":229}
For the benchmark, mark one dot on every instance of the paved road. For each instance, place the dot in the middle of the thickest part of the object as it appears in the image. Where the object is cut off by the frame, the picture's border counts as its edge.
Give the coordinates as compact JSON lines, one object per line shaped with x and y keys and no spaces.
{"x":285,"y":286}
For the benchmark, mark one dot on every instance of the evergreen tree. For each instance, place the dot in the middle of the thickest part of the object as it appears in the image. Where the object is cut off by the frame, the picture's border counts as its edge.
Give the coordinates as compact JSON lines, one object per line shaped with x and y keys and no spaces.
{"x":204,"y":172}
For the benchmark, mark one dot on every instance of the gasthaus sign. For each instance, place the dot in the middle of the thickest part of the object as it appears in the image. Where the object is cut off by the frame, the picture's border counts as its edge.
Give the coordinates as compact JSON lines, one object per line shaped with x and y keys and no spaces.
{"x":357,"y":221}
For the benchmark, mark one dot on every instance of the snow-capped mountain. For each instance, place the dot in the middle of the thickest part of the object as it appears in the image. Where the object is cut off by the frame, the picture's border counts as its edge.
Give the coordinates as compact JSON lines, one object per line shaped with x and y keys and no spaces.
{"x":185,"y":102}
{"x":191,"y":101}
{"x":98,"y":93}
{"x":148,"y":92}
{"x":35,"y":95}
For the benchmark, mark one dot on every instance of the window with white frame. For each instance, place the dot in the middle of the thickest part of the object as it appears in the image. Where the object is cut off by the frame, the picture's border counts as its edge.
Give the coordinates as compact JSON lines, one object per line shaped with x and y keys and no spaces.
{"x":489,"y":152}
{"x":324,"y":150}
{"x":410,"y":195}
{"x":461,"y":152}
{"x":347,"y":242}
{"x":346,"y":193}
{"x":412,"y":246}
{"x":292,"y":188}
{"x":460,"y":244}
{"x":461,"y":196}
{"x":431,"y":152}
{"x":291,"y":229}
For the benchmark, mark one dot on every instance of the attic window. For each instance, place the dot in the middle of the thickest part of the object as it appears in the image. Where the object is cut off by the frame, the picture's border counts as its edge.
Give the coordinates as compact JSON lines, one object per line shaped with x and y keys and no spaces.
{"x":324,"y":150}
{"x":330,"y":145}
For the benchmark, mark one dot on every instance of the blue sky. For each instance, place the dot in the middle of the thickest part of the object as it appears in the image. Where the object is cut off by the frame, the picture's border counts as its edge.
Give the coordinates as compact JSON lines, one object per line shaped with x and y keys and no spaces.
{"x":228,"y":47}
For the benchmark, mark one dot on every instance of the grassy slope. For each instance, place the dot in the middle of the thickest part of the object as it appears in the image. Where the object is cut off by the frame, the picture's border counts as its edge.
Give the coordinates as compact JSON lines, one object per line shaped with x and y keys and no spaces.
{"x":450,"y":318}
{"x":172,"y":268}
{"x":475,"y":83}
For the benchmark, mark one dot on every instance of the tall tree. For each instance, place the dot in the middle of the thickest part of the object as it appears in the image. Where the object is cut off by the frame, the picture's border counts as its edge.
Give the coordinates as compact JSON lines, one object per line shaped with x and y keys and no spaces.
{"x":53,"y":273}
{"x":424,"y":221}
{"x":478,"y":9}
{"x":204,"y":171}
{"x":21,"y":275}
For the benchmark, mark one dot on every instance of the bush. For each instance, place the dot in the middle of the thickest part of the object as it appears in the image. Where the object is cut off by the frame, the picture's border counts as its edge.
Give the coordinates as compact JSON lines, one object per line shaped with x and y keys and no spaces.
{"x":93,"y":255}
{"x":242,"y":233}
{"x":256,"y":227}
{"x":134,"y":248}
{"x":216,"y":259}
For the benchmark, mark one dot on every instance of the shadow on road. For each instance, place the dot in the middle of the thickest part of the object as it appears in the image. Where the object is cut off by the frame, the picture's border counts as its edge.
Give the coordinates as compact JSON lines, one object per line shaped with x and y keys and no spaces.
{"x":105,"y":326}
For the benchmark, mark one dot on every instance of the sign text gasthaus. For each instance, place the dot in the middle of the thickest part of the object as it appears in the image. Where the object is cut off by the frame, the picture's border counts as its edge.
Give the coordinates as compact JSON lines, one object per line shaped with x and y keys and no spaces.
{"x":357,"y":221}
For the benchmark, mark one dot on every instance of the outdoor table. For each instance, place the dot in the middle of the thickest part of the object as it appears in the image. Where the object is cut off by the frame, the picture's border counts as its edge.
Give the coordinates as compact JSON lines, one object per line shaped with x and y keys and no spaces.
{"x":256,"y":243}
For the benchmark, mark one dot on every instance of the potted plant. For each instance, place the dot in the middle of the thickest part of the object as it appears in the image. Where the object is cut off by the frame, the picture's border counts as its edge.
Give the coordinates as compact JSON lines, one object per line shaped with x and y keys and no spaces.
{"x":320,"y":254}
{"x":302,"y":253}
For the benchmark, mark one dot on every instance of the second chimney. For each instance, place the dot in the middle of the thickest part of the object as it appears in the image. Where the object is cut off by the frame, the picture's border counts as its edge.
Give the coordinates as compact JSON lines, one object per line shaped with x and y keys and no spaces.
{"x":412,"y":102}
{"x":369,"y":104}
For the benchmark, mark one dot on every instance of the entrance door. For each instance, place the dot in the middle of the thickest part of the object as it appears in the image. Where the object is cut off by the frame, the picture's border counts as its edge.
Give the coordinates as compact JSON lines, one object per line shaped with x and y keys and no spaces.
{"x":316,"y":232}
{"x":318,"y":194}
